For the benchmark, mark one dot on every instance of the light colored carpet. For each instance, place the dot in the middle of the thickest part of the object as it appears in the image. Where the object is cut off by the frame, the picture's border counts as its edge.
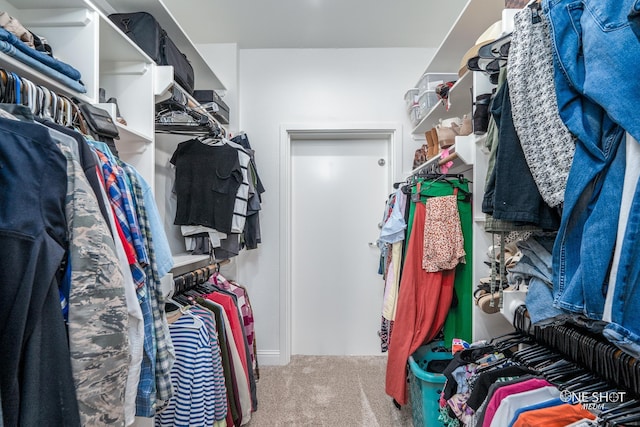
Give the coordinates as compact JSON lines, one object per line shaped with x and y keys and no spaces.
{"x":346,"y":391}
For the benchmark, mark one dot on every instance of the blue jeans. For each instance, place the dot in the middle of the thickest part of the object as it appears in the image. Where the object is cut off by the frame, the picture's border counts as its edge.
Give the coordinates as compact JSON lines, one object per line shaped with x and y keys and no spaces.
{"x":536,"y":265}
{"x":596,"y":54}
{"x":587,"y":235}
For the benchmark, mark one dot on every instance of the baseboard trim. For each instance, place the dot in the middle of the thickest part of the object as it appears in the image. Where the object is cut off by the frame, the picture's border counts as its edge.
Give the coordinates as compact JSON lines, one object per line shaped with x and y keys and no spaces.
{"x":269,"y":357}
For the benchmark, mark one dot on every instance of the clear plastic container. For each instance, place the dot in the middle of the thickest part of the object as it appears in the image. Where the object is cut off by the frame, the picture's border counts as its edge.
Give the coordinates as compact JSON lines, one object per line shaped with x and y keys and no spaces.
{"x":426,"y":101}
{"x":414,"y":115}
{"x":411,"y":97}
{"x":429,"y":81}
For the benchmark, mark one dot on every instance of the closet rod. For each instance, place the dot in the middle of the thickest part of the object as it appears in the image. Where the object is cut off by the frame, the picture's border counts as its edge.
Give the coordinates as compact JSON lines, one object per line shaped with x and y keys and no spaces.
{"x":196,"y":106}
{"x":451,"y":157}
{"x":198,"y":276}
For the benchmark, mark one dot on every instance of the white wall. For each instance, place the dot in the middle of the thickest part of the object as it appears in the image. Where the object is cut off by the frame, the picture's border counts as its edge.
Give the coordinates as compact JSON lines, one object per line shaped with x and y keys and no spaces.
{"x":311,"y":86}
{"x":223,"y":59}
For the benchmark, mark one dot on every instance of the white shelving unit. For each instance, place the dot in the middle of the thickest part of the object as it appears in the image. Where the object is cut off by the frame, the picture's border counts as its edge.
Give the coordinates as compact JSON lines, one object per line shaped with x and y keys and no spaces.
{"x":470,"y":157}
{"x":11,"y":64}
{"x":186,"y":259}
{"x":205,"y":78}
{"x":83,"y":36}
{"x":70,"y":31}
{"x":460,"y":104}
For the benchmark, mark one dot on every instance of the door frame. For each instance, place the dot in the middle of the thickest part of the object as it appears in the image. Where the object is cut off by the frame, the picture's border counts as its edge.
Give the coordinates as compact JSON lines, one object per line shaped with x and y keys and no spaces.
{"x":392,"y":132}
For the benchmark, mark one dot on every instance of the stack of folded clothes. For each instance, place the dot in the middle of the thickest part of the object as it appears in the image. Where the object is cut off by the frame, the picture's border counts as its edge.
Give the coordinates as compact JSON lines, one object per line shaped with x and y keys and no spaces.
{"x":21,"y":47}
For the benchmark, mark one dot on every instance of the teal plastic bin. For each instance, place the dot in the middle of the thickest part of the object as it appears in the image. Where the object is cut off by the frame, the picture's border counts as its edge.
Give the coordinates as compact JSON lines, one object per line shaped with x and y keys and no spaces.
{"x":425,"y":387}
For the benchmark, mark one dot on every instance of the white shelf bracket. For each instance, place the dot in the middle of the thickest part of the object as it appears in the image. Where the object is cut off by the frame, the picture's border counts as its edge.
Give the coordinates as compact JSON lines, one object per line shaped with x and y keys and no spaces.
{"x":466,"y":148}
{"x":125,"y":68}
{"x":163,"y":79}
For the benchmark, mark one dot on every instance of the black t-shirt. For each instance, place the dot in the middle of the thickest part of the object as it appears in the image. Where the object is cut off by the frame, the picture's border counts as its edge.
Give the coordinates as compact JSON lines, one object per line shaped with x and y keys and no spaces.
{"x":207,"y":180}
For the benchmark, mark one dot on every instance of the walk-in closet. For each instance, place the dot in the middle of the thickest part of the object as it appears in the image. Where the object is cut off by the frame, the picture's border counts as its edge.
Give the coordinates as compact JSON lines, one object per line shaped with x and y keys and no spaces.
{"x":319,"y":213}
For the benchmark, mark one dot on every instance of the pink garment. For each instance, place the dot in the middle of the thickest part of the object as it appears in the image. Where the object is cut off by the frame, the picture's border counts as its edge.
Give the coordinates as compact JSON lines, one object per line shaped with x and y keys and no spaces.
{"x":507,"y":390}
{"x":231,"y":310}
{"x":244,"y":307}
{"x":443,"y":240}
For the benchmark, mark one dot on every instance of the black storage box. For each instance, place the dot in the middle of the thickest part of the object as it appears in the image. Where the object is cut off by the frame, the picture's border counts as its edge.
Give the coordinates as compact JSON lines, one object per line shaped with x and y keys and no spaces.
{"x":206,"y":96}
{"x":144,"y":30}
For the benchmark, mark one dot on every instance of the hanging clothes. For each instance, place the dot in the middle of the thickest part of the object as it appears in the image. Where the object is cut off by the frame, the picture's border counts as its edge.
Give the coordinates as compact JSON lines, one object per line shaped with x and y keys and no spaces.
{"x":392,"y":235}
{"x":246,"y":312}
{"x":443,"y":240}
{"x":234,"y":414}
{"x":194,"y":402}
{"x":99,"y":349}
{"x":34,"y":351}
{"x":126,"y":198}
{"x":207,"y":181}
{"x":459,"y":320}
{"x":422,"y":308}
{"x":219,"y":386}
{"x":425,"y":298}
{"x":224,"y":309}
{"x":227,"y":216}
{"x":89,"y":238}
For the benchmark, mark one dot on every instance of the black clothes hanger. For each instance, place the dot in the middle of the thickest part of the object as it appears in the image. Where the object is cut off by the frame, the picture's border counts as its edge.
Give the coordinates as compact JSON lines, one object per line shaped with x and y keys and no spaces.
{"x":507,"y":335}
{"x":618,"y":413}
{"x":193,"y":284}
{"x":431,"y":177}
{"x":536,"y":8}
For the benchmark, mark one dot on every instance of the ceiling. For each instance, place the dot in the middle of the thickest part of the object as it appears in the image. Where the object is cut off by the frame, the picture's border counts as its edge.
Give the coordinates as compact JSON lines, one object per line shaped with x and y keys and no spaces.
{"x":259,"y":24}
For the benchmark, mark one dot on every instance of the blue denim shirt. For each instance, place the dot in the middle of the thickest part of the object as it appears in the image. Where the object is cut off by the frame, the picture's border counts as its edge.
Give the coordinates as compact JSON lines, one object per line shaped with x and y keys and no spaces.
{"x":596,"y":58}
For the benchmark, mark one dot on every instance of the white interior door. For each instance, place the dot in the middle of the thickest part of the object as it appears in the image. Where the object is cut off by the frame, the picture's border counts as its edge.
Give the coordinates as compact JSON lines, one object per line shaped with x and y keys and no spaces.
{"x":339,"y":187}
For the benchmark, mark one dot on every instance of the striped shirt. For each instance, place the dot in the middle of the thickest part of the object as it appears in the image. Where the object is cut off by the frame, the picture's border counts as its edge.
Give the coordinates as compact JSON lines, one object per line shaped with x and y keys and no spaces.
{"x":193,"y":404}
{"x":242,"y":195}
{"x":219,"y":387}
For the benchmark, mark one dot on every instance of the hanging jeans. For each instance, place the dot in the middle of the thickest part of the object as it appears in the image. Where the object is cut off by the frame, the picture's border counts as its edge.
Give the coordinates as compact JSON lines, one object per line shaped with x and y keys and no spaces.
{"x":423,"y":305}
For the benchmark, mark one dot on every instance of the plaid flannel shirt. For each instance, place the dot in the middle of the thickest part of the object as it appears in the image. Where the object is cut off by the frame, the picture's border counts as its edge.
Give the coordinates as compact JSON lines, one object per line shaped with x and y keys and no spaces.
{"x":165,"y":353}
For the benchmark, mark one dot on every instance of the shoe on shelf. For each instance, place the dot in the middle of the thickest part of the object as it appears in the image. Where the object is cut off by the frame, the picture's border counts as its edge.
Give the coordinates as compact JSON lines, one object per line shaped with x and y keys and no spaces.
{"x":435,"y":147}
{"x":487,"y":302}
{"x":432,"y":143}
{"x":465,"y":128}
{"x":446,"y":135}
{"x":481,"y":114}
